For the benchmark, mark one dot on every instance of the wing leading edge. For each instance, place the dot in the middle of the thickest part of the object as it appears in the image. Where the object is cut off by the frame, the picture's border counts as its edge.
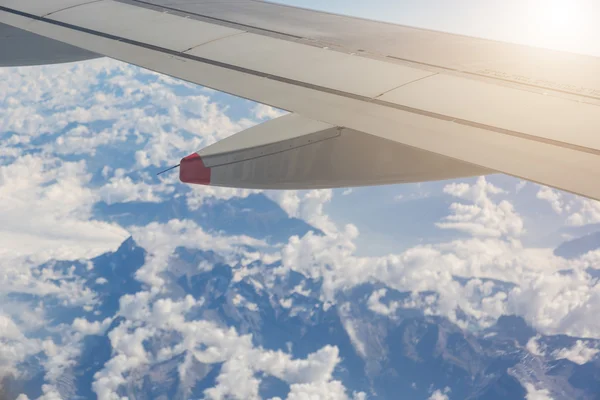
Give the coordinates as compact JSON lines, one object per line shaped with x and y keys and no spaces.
{"x":406,"y":119}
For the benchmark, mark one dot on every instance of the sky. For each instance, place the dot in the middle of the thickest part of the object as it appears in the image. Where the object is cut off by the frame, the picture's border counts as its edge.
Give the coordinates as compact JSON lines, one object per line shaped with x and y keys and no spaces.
{"x":78,"y":135}
{"x":568,"y":25}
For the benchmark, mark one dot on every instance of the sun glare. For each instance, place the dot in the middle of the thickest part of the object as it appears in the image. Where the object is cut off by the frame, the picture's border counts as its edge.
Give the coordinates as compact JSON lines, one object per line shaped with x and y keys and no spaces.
{"x":561,"y":16}
{"x":559,"y":23}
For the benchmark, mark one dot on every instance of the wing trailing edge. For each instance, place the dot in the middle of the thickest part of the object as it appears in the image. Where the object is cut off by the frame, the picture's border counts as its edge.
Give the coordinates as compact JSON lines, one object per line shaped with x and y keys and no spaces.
{"x":293,"y":152}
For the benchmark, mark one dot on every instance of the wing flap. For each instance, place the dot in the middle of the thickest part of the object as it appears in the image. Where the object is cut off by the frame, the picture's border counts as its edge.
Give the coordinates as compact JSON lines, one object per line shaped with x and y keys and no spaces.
{"x":293,"y":152}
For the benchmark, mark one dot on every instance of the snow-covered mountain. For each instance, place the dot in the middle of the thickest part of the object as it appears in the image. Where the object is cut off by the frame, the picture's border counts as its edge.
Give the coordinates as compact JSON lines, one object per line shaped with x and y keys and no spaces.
{"x":406,"y":355}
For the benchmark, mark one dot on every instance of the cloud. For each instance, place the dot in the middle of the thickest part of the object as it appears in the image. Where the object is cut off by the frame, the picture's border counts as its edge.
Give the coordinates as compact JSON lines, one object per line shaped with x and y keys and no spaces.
{"x":374,"y":303}
{"x":537,"y":290}
{"x":58,"y":359}
{"x":198,"y":195}
{"x":85,"y":327}
{"x":54,"y":116}
{"x":308,"y":205}
{"x":534,"y":347}
{"x":240,"y":301}
{"x":86,"y":108}
{"x":264,"y":112}
{"x":69,"y":124}
{"x":553,"y":197}
{"x":45,"y":211}
{"x":520,"y":186}
{"x":148,"y":316}
{"x":536,"y":394}
{"x":288,"y":200}
{"x":554,"y":303}
{"x":579,"y":353}
{"x":588,"y":212}
{"x":9,"y":329}
{"x":311,"y":209}
{"x":333,"y":390}
{"x":163,"y":239}
{"x":50,"y":393}
{"x":122,"y":189}
{"x":15,"y":347}
{"x":484,"y":217}
{"x":440,"y":395}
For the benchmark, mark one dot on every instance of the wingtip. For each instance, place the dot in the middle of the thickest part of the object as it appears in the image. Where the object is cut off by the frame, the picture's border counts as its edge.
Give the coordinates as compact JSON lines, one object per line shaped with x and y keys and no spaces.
{"x":193,"y":170}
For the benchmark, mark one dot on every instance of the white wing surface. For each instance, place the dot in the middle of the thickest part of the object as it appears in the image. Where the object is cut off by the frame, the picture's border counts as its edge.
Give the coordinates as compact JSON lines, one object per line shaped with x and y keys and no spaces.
{"x":372,"y":102}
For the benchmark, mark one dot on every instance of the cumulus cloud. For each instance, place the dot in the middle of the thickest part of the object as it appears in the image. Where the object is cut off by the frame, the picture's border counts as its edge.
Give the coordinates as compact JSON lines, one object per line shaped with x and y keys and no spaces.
{"x":534,"y":347}
{"x":483,"y":217}
{"x":122,"y":189}
{"x":307,"y":205}
{"x":553,"y":197}
{"x":86,"y":327}
{"x":587,"y":212}
{"x":579,"y":353}
{"x":311,"y":209}
{"x":198,"y":195}
{"x":333,"y":390}
{"x":15,"y":347}
{"x":549,"y":300}
{"x":288,"y":200}
{"x":263,"y":112}
{"x":440,"y":395}
{"x":374,"y":303}
{"x":45,"y":210}
{"x":536,"y":394}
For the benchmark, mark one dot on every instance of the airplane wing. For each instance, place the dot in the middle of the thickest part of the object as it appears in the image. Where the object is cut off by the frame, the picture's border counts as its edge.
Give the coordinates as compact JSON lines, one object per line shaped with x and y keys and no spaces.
{"x":369,"y":102}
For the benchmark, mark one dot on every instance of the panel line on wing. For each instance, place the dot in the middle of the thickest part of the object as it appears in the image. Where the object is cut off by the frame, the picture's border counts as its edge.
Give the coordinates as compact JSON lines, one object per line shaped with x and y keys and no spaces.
{"x":405,"y":84}
{"x":70,"y":7}
{"x":222,"y":20}
{"x":462,"y":71}
{"x":212,"y":41}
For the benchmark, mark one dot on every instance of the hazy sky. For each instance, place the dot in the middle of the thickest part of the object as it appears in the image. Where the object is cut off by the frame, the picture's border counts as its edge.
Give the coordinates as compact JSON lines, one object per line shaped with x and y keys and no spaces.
{"x":559,"y":24}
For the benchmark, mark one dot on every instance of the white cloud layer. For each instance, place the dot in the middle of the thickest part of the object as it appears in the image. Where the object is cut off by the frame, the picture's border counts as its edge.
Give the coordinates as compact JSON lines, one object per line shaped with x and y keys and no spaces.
{"x":49,"y":115}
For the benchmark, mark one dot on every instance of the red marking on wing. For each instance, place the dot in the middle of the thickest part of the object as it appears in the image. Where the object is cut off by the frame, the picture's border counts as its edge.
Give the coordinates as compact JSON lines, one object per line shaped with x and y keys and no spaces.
{"x":194,"y":171}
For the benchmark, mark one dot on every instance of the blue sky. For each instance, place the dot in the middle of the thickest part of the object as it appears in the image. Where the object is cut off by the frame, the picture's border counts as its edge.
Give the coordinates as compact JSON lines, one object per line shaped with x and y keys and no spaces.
{"x":80,"y":137}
